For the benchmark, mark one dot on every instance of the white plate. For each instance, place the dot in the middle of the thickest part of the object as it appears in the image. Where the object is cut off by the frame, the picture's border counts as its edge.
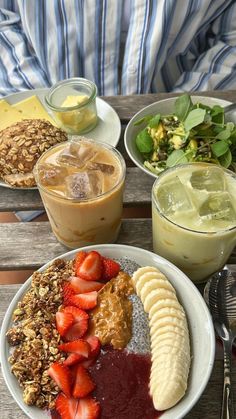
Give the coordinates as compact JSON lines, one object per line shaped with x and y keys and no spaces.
{"x":199,"y":320}
{"x":164,"y":107}
{"x":107,"y":130}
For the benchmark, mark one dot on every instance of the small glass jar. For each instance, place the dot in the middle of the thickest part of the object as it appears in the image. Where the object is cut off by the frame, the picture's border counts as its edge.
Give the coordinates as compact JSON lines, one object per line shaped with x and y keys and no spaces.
{"x":73,"y":105}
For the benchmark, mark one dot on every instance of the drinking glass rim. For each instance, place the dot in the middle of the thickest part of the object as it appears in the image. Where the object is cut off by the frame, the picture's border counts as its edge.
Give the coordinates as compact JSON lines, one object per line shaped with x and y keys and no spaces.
{"x":72,"y":80}
{"x":171,"y":169}
{"x":83,"y":200}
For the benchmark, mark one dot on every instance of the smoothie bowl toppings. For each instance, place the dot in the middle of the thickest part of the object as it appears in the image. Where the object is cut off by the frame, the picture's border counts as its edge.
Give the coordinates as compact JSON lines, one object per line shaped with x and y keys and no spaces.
{"x":95,"y":337}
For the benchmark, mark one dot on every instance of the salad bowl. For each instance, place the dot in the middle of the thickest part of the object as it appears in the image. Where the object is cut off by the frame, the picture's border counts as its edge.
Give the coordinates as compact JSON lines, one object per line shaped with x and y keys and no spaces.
{"x":162,"y":107}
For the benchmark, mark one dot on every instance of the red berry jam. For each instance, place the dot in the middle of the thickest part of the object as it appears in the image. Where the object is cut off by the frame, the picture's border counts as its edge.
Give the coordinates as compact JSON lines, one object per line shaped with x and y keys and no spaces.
{"x":122,"y":381}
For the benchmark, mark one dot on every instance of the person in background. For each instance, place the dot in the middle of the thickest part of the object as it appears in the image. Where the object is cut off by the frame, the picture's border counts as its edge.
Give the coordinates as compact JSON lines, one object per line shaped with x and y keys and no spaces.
{"x":125,"y":47}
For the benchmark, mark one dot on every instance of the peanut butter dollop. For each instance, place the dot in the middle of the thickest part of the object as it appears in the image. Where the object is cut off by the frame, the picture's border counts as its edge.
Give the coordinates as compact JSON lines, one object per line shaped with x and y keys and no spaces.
{"x":111,"y":319}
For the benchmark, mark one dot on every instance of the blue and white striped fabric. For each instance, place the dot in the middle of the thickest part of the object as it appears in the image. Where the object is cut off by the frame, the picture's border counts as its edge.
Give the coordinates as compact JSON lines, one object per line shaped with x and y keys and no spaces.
{"x":171,"y":45}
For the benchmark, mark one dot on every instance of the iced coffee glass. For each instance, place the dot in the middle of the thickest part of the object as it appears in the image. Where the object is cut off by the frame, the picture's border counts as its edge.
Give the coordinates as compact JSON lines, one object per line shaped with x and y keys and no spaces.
{"x":194,"y":217}
{"x":81,"y":183}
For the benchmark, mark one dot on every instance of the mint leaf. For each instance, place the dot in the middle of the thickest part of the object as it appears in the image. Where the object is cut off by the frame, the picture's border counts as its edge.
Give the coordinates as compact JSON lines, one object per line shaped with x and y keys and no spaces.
{"x":144,"y":119}
{"x":194,"y":118}
{"x":154,"y":121}
{"x":144,"y":141}
{"x":226,"y":159}
{"x":182,"y":106}
{"x":176,"y":157}
{"x":219,"y":148}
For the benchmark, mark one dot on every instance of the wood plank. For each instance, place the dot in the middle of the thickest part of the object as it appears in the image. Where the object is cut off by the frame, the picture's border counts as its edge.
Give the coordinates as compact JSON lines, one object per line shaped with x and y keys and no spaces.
{"x":137,"y":192}
{"x":208,"y":407}
{"x":128,"y":106}
{"x":31,"y":245}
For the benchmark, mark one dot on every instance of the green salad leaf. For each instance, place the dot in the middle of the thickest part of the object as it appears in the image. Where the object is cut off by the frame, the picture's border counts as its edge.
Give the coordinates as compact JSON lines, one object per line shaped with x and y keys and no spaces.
{"x":176,"y":157}
{"x":220,"y":148}
{"x":217,"y":115}
{"x":224,"y":134}
{"x":183,"y":104}
{"x":154,"y":121}
{"x":144,"y":119}
{"x":226,"y":159}
{"x":144,"y":141}
{"x":194,"y":118}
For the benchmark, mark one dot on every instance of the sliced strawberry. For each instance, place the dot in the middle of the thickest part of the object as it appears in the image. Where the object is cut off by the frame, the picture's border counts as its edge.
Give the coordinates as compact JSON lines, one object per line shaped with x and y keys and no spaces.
{"x":66,"y":406}
{"x":78,"y":314}
{"x":67,"y":293}
{"x":85,"y":301}
{"x":88,"y":408}
{"x":80,"y":326}
{"x":61,"y":375}
{"x":73,"y":359}
{"x":63,"y":322}
{"x":88,"y":362}
{"x":80,"y":347}
{"x":110,"y":269}
{"x":95,"y":346}
{"x":80,"y":285}
{"x":91,"y":268}
{"x":83,"y":383}
{"x":76,"y":331}
{"x":79,"y":258}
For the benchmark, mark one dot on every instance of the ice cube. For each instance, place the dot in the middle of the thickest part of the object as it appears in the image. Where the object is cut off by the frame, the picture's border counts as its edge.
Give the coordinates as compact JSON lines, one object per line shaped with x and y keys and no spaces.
{"x":51,"y":175}
{"x":104,"y":167}
{"x":218,"y":207}
{"x":211,"y":180}
{"x":77,"y":154}
{"x":84,"y":185}
{"x":85,"y":151}
{"x":173,"y":197}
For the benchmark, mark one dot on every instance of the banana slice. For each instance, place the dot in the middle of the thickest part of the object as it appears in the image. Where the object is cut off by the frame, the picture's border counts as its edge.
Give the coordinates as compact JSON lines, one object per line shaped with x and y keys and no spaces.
{"x":156,"y":295}
{"x":167,"y":311}
{"x":145,"y":278}
{"x":169,"y":335}
{"x":165,"y":321}
{"x":141,"y":271}
{"x":163,"y":304}
{"x":170,"y":345}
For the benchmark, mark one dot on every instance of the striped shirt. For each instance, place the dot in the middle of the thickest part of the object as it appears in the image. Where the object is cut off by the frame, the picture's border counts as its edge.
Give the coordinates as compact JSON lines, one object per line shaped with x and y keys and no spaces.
{"x":171,"y":45}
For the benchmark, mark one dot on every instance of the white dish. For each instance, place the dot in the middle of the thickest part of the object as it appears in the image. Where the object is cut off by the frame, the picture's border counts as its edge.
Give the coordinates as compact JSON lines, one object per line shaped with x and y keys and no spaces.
{"x":107,"y":130}
{"x":163,"y":107}
{"x":199,"y":320}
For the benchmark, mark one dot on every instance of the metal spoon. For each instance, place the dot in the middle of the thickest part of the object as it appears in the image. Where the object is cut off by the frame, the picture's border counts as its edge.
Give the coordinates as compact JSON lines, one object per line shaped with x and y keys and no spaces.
{"x":220,"y":296}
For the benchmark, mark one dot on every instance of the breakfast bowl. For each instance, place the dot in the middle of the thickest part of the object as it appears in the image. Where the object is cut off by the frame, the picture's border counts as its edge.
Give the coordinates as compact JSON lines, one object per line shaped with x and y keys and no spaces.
{"x":72,"y":103}
{"x":181,"y":141}
{"x":201,"y":332}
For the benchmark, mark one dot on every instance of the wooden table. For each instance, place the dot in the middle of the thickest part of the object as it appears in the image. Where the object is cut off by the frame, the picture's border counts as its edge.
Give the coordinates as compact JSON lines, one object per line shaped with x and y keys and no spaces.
{"x":30,"y":245}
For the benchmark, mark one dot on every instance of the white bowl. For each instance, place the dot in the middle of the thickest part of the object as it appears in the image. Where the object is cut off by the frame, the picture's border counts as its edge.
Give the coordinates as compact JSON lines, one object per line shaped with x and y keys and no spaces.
{"x":163,"y":107}
{"x":199,"y":321}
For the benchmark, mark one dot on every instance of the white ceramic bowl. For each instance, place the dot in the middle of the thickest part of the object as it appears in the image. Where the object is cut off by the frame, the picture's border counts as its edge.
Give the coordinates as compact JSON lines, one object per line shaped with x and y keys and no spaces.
{"x":163,"y":107}
{"x":199,"y":321}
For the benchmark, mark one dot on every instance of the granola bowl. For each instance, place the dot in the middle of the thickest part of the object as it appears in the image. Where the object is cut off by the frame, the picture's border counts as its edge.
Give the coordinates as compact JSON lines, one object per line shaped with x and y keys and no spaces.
{"x":202,"y":338}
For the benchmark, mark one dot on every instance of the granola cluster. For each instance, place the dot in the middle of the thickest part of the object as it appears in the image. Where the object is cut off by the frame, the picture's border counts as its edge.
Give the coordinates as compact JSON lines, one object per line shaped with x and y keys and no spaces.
{"x":35,"y":335}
